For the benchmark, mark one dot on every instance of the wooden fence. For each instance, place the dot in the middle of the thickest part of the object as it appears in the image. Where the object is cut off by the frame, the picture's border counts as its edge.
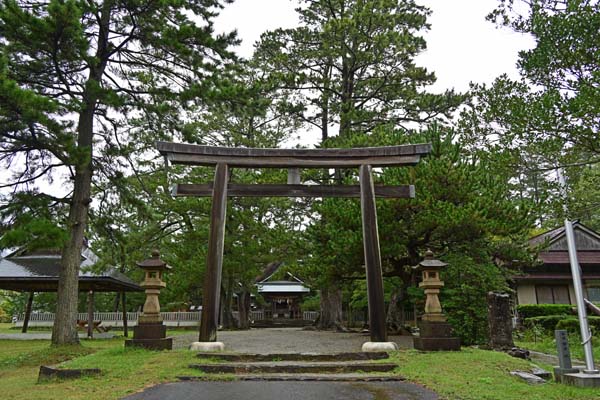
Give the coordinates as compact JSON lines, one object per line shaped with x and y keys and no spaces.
{"x":115,"y":319}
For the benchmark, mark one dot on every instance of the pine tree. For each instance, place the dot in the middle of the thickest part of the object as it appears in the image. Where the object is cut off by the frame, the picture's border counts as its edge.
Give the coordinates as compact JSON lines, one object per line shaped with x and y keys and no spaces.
{"x":72,"y":76}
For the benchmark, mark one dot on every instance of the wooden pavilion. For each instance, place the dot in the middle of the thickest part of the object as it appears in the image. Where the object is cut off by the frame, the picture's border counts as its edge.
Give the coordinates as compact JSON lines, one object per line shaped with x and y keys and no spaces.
{"x":39,"y":271}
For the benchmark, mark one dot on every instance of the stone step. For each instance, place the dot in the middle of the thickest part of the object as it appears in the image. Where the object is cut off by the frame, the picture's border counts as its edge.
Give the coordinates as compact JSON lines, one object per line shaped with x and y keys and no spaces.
{"x":246,"y":357}
{"x":293,"y":368}
{"x":347,"y":377}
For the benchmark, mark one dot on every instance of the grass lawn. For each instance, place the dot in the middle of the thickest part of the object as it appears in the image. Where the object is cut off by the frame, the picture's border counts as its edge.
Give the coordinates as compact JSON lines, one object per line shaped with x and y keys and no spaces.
{"x":469,"y":374}
{"x":480,"y":375}
{"x":547,"y":345}
{"x":10,"y":328}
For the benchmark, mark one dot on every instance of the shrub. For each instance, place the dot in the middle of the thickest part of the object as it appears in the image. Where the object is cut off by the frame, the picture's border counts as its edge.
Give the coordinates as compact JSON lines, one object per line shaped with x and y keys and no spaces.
{"x":539,"y":310}
{"x":546,"y":322}
{"x":572,"y":324}
{"x":551,"y":322}
{"x":4,"y":317}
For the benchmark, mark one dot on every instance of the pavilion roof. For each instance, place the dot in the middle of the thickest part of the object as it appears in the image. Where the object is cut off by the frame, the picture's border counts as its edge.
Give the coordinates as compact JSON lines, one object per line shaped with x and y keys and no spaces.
{"x":39,"y":272}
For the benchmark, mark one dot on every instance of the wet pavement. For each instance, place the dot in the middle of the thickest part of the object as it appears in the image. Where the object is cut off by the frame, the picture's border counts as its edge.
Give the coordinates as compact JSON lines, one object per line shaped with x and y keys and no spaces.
{"x":286,"y":391}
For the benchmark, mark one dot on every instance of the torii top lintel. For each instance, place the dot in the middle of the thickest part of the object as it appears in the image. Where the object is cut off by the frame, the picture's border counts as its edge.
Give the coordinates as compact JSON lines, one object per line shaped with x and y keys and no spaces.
{"x":191,"y":154}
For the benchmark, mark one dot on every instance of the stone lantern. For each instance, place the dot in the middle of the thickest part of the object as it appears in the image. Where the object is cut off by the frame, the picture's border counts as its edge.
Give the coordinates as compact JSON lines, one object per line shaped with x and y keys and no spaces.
{"x":150,"y":331}
{"x":435,"y":332}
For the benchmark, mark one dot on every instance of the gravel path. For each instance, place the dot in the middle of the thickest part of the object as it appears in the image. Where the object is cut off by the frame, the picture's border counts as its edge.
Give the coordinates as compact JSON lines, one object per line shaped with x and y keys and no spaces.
{"x":290,"y":340}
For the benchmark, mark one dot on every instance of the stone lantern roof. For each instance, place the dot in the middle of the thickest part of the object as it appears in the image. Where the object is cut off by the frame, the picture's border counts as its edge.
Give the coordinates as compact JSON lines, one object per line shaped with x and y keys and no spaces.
{"x":154,"y":262}
{"x":431,"y":262}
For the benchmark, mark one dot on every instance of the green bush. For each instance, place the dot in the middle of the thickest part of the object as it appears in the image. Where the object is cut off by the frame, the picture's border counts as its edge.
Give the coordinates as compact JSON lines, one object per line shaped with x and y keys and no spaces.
{"x":312,"y":303}
{"x":546,"y":322}
{"x":572,"y":324}
{"x":549,"y":323}
{"x":539,"y":310}
{"x":4,"y":317}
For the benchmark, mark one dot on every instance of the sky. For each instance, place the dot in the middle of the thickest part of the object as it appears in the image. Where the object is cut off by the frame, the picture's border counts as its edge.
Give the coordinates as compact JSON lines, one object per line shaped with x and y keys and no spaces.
{"x":462,"y":46}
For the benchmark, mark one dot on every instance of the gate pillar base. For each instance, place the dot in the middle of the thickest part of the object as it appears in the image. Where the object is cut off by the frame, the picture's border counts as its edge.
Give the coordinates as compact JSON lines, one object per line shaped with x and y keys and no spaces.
{"x":379,"y":346}
{"x":207,"y":346}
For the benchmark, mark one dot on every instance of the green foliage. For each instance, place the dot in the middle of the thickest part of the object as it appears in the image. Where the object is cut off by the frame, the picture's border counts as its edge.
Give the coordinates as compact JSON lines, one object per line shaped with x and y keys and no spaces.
{"x":539,"y":310}
{"x":311,"y":303}
{"x":464,"y":296}
{"x":549,"y":116}
{"x":352,"y":63}
{"x":31,"y":221}
{"x":547,"y":323}
{"x":572,"y":324}
{"x":4,"y":315}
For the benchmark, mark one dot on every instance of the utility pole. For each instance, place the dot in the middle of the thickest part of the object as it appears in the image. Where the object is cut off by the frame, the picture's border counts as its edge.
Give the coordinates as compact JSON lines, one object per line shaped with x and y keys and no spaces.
{"x":586,"y":334}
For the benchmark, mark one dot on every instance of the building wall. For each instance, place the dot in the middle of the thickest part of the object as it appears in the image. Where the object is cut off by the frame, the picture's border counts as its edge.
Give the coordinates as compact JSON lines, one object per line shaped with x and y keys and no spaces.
{"x":526,"y":294}
{"x":572,"y":297}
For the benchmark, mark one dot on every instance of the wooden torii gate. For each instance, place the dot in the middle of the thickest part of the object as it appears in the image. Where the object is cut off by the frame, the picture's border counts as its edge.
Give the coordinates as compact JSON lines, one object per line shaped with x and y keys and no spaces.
{"x":224,"y":157}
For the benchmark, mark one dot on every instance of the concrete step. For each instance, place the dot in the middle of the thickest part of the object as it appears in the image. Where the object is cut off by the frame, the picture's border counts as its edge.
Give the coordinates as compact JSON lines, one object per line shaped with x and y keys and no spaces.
{"x":293,"y":368}
{"x":347,"y":377}
{"x":241,"y":357}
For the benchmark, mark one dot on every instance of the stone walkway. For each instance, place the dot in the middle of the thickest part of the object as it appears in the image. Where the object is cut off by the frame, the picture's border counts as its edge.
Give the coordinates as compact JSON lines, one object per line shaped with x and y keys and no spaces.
{"x":290,"y":340}
{"x":261,"y":340}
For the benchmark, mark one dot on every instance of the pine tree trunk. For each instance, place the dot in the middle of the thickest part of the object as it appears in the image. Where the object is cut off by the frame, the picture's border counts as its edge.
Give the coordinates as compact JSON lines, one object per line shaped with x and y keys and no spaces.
{"x":244,"y":309}
{"x":331,"y":309}
{"x":64,"y":330}
{"x":395,"y":315}
{"x":228,"y":321}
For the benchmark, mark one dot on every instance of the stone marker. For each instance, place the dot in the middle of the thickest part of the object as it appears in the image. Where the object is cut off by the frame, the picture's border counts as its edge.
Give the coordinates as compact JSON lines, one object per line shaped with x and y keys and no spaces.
{"x":562,"y":347}
{"x":565,"y":365}
{"x":499,"y":321}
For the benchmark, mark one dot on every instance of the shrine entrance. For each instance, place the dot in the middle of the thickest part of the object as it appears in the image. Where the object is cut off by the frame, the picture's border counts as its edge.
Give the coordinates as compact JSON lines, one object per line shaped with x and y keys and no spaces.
{"x":224,"y":158}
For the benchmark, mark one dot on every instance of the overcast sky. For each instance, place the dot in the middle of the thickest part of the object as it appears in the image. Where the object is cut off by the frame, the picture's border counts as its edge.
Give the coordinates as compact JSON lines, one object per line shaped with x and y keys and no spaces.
{"x":462,"y":45}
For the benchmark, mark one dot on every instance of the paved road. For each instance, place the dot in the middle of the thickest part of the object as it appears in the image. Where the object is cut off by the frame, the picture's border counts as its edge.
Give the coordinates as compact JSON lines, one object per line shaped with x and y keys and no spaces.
{"x":285,"y":391}
{"x":290,"y":340}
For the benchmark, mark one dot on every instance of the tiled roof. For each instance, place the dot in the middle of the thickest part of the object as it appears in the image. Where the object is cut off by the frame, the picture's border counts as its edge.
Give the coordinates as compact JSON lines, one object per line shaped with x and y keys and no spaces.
{"x":41,"y":272}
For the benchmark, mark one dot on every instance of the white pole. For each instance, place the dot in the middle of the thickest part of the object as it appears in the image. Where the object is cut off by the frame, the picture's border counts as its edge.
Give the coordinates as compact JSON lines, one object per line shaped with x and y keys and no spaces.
{"x":586,"y":334}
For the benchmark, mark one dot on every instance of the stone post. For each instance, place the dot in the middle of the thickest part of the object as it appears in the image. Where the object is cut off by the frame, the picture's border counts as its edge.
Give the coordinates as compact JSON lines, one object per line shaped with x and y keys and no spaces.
{"x":499,"y":321}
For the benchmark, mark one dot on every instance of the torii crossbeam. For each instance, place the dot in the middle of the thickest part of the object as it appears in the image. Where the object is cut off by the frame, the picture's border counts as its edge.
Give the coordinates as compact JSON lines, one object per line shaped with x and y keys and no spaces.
{"x":224,"y":157}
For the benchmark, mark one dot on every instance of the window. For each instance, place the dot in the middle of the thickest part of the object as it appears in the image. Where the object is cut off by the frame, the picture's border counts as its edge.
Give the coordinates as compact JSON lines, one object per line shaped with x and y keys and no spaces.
{"x":593,"y":294}
{"x":552,"y":294}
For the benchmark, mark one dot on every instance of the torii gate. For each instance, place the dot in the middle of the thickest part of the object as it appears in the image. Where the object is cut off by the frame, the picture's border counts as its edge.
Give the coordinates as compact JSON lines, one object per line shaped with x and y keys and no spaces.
{"x":224,"y":157}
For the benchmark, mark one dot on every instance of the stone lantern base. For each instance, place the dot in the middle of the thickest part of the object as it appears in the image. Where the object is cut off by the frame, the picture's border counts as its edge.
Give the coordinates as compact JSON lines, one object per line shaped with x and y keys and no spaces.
{"x":150,"y":336}
{"x":435,"y":336}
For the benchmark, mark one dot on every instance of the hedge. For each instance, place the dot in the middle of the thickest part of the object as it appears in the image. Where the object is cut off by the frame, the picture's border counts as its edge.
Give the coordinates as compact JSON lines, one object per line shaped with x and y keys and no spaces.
{"x":551,"y":322}
{"x":547,"y":322}
{"x":572,"y":324}
{"x":538,"y":310}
